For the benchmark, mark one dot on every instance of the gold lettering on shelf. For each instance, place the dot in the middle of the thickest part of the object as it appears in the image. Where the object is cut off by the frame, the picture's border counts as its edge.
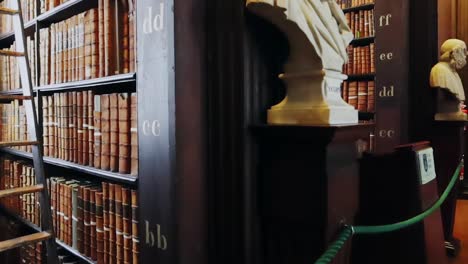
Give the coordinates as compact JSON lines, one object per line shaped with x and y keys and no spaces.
{"x":387,"y":133}
{"x":387,"y":91}
{"x":151,"y":128}
{"x":386,"y":56}
{"x":150,"y":239}
{"x":385,"y":20}
{"x":155,"y":23}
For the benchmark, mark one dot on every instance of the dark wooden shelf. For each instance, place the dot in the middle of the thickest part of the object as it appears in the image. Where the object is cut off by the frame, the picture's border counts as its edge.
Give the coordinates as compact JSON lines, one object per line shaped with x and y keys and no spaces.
{"x":360,"y":7}
{"x":75,"y":252}
{"x":65,"y":10}
{"x":366,"y":116}
{"x":35,"y":228}
{"x":363,"y":41}
{"x":117,"y":177}
{"x":12,"y":92}
{"x":361,"y":77}
{"x":104,"y":81}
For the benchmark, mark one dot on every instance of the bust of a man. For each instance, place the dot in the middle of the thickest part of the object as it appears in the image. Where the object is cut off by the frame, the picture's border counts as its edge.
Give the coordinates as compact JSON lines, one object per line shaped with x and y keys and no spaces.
{"x":444,"y":77}
{"x":318,"y":36}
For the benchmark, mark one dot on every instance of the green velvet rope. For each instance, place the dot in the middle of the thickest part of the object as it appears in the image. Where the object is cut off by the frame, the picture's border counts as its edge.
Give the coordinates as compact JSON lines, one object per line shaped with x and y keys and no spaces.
{"x":348,"y":232}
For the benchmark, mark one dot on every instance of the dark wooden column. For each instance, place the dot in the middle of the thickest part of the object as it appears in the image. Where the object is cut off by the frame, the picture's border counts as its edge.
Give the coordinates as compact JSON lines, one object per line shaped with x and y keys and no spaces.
{"x":309,"y":188}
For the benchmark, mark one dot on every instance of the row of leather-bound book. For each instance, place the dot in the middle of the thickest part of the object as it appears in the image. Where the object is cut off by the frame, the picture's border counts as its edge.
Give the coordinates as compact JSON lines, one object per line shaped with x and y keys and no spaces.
{"x":96,"y":130}
{"x":98,"y":219}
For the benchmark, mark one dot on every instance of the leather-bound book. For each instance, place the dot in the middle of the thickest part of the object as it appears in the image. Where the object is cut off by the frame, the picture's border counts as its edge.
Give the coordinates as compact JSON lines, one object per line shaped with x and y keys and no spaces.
{"x":105,"y":213}
{"x":118,"y":223}
{"x":114,"y":132}
{"x":372,"y":58}
{"x":85,"y":155}
{"x":75,"y":217}
{"x":81,"y":46}
{"x":88,"y":20}
{"x":92,"y":229}
{"x":371,"y":96}
{"x":124,"y":133}
{"x":132,"y":29}
{"x":135,"y":221}
{"x":97,"y":131}
{"x":101,"y":37}
{"x":100,"y":227}
{"x":362,"y":96}
{"x":109,"y":38}
{"x":74,"y":128}
{"x":127,"y":225}
{"x":105,"y":130}
{"x":134,"y":134}
{"x":79,"y":124}
{"x":95,"y":45}
{"x":48,"y":122}
{"x":87,"y":222}
{"x":90,"y":128}
{"x":45,"y":124}
{"x":123,"y":18}
{"x":353,"y":94}
{"x":81,"y":220}
{"x":53,"y":57}
{"x":112,"y":234}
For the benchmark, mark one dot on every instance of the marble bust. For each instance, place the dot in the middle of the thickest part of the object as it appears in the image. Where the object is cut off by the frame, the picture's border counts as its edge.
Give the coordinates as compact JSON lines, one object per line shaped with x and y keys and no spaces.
{"x":318,"y":36}
{"x":445,"y":78}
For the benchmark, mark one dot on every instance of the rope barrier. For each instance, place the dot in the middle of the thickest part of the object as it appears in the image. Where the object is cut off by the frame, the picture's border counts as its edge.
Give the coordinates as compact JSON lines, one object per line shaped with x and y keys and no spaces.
{"x":349,"y":231}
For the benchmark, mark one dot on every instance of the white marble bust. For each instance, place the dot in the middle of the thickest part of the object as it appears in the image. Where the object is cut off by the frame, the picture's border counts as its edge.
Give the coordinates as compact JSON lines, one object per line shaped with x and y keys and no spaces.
{"x":318,"y":36}
{"x":444,"y":76}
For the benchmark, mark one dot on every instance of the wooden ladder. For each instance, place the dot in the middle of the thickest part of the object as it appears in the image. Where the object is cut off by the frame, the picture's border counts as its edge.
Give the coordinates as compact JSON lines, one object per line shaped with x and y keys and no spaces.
{"x":21,"y":55}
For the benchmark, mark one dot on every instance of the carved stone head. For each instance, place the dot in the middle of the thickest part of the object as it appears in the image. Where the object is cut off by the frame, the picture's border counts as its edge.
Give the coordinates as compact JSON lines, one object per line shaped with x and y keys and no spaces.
{"x":454,"y":51}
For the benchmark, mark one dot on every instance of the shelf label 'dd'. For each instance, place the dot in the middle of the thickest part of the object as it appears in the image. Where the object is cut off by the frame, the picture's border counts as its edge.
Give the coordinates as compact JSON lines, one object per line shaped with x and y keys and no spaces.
{"x":153,"y":22}
{"x":387,"y":91}
{"x":151,"y":240}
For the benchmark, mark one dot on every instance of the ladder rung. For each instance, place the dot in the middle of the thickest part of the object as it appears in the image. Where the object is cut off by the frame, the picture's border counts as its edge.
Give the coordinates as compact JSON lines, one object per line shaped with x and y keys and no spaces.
{"x":9,"y":98}
{"x":8,"y":11}
{"x":18,"y":143}
{"x":24,"y":240}
{"x":11,"y":53}
{"x":21,"y":190}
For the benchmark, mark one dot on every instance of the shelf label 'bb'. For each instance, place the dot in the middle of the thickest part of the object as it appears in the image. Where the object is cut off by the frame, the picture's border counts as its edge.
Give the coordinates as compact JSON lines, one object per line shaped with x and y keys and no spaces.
{"x":150,"y":239}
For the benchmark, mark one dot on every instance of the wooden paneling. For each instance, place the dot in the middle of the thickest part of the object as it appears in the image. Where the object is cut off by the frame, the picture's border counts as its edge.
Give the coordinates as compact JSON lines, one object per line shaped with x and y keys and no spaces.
{"x":447,"y":19}
{"x":462,"y":33}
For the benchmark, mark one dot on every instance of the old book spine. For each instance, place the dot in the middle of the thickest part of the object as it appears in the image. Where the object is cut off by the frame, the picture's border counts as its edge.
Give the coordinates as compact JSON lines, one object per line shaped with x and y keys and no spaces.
{"x":101,"y":37}
{"x":87,"y":222}
{"x":81,"y":46}
{"x":105,"y":130}
{"x":118,"y":224}
{"x":124,"y":132}
{"x":105,"y":197}
{"x":135,"y":222}
{"x":127,"y":225}
{"x":109,"y":38}
{"x":97,"y":131}
{"x":95,"y":45}
{"x":80,"y":132}
{"x":92,"y":234}
{"x":80,"y":216}
{"x":112,"y":234}
{"x":132,"y":30}
{"x":75,"y":219}
{"x":85,"y":128}
{"x":90,"y":128}
{"x":114,"y":132}
{"x":74,"y":128}
{"x":124,"y":38}
{"x":87,"y":43}
{"x":371,"y":96}
{"x":45,"y":125}
{"x":362,"y":96}
{"x":134,"y":134}
{"x":100,"y":227}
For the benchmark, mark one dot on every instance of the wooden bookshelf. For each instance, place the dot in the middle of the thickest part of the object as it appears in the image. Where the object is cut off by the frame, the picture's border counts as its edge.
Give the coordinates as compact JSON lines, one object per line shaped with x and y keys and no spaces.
{"x":361,"y":77}
{"x":116,"y":177}
{"x":360,"y":7}
{"x":362,"y":41}
{"x":65,"y":10}
{"x":33,"y":228}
